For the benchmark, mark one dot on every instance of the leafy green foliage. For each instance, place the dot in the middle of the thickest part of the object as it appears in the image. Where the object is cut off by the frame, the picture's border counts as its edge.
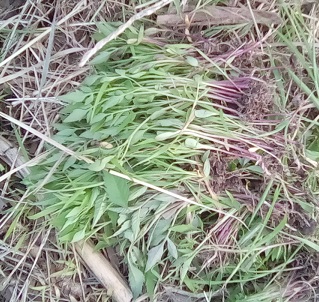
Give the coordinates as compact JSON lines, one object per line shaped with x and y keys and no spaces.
{"x":117,"y":189}
{"x":164,"y":114}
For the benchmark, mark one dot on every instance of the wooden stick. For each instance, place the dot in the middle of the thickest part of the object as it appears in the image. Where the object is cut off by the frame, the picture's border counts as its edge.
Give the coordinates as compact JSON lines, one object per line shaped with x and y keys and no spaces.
{"x":215,"y":15}
{"x":104,"y":271}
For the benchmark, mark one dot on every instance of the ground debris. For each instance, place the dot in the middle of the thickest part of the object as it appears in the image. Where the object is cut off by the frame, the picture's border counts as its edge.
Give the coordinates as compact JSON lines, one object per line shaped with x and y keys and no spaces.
{"x":217,"y":15}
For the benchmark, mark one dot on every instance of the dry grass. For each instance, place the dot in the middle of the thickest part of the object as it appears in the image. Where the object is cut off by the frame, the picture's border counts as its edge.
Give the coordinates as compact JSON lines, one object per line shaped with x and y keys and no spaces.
{"x":35,"y":267}
{"x":41,"y":49}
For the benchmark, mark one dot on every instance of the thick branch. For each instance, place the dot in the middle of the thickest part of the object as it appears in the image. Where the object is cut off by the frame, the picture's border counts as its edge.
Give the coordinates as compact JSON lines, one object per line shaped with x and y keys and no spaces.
{"x":104,"y":271}
{"x":215,"y":15}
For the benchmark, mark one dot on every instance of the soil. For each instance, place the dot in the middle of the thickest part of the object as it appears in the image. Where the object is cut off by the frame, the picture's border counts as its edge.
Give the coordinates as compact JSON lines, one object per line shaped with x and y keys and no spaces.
{"x":11,"y":3}
{"x":9,"y":8}
{"x":257,"y":103}
{"x":307,"y":264}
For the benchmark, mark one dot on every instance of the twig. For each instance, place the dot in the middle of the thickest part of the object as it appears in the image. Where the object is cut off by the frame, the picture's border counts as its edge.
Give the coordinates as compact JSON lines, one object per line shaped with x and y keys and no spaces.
{"x":146,"y":12}
{"x":216,"y":15}
{"x":104,"y":271}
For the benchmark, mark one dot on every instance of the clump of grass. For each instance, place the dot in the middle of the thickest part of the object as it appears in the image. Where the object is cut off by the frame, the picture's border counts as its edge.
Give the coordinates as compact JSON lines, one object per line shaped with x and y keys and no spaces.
{"x":167,"y":116}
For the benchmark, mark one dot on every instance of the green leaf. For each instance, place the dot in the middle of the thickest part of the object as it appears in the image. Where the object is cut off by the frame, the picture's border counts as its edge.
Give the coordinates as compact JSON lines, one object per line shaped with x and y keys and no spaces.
{"x":121,"y":219}
{"x":65,"y":237}
{"x":90,"y":80}
{"x":72,"y":221}
{"x":169,"y":122}
{"x":203,"y":113}
{"x":231,"y":202}
{"x":100,"y":207}
{"x":314,"y":145}
{"x":74,"y":97}
{"x":47,"y":211}
{"x":154,"y":256}
{"x":312,"y":155}
{"x":206,"y":155}
{"x":132,"y":41}
{"x":268,"y":239}
{"x":106,"y":28}
{"x":191,"y":143}
{"x":183,"y":228}
{"x":121,"y":72}
{"x":128,"y":234}
{"x":66,"y":132}
{"x":58,"y":221}
{"x":150,"y":282}
{"x":138,"y":136}
{"x":185,"y":268}
{"x":192,"y":61}
{"x":113,"y":217}
{"x":166,"y":135}
{"x":99,"y":117}
{"x":69,"y":162}
{"x":100,"y":164}
{"x":255,"y":169}
{"x":76,"y":115}
{"x":307,"y":242}
{"x":125,"y":226}
{"x":136,"y":223}
{"x":159,"y":232}
{"x":136,"y":279}
{"x":207,"y":167}
{"x":141,"y":34}
{"x":112,"y":101}
{"x":74,"y":212}
{"x":102,"y":57}
{"x":172,"y":250}
{"x":137,"y":193}
{"x":138,"y":75}
{"x":78,"y":236}
{"x":117,"y":189}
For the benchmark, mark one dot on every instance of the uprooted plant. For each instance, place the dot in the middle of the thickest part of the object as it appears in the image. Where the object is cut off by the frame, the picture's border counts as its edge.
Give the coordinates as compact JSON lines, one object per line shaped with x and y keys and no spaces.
{"x":218,"y":208}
